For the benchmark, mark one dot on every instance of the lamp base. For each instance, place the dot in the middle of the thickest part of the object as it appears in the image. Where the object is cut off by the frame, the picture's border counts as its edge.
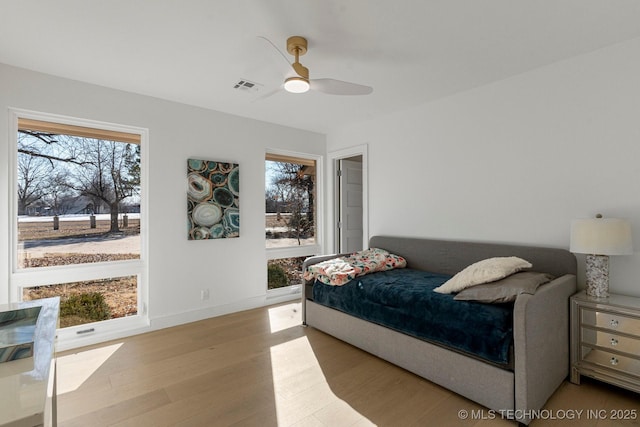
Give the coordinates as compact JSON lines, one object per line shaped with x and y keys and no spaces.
{"x":597,"y":273}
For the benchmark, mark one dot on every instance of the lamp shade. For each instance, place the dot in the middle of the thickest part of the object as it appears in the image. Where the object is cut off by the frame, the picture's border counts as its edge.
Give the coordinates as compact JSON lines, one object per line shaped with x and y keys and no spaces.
{"x":601,"y":236}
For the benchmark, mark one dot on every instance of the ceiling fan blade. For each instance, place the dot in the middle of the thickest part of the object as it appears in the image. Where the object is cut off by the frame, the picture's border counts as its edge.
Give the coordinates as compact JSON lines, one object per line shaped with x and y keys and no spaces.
{"x":338,"y":87}
{"x":268,"y":94}
{"x":282,"y":55}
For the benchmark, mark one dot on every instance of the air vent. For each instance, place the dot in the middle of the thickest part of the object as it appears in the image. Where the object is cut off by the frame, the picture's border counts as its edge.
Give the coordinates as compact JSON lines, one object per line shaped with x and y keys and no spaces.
{"x":247,"y":86}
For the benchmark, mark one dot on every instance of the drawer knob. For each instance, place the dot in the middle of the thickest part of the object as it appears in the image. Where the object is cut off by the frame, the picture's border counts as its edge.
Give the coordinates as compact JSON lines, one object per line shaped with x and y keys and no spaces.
{"x":614,"y":361}
{"x":614,"y":342}
{"x":613,"y":323}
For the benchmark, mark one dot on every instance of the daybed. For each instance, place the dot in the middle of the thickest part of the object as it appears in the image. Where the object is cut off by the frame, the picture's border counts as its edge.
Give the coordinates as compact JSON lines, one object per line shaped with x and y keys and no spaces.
{"x":539,"y":345}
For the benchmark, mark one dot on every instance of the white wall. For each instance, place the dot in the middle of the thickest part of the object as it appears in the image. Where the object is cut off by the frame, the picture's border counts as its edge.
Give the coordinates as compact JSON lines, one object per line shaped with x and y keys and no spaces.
{"x":233,"y":269}
{"x":514,"y":161}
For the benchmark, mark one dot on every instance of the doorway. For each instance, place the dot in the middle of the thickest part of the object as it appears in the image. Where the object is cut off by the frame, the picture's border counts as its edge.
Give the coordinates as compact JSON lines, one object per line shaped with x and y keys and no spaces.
{"x":350,"y":233}
{"x":349,"y":200}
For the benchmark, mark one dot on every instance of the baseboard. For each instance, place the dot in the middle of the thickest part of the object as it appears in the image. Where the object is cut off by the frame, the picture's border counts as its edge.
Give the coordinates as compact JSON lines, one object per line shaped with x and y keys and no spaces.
{"x":220,"y":310}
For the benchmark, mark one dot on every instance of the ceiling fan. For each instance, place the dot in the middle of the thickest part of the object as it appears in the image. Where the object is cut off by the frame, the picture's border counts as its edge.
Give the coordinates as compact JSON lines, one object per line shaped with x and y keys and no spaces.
{"x":300,"y":83}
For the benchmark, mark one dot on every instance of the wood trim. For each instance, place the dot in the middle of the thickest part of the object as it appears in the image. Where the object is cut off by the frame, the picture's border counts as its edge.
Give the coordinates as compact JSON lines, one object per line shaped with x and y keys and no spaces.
{"x":82,"y":131}
{"x":289,"y":159}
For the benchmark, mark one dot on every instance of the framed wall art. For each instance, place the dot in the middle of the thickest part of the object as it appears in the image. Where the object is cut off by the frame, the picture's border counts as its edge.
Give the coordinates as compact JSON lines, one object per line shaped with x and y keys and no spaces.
{"x":213,"y":207}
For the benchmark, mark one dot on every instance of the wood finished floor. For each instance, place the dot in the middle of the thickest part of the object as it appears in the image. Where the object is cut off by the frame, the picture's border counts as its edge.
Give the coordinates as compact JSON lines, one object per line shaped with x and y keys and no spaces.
{"x":261,"y":368}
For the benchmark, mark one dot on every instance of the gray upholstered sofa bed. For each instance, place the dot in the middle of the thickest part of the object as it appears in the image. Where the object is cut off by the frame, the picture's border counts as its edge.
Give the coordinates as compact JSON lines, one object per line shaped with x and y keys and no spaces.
{"x":540,"y":325}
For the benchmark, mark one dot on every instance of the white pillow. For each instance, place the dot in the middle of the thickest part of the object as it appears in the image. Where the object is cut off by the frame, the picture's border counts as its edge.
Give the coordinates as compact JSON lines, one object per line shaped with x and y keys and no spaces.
{"x":484,"y":271}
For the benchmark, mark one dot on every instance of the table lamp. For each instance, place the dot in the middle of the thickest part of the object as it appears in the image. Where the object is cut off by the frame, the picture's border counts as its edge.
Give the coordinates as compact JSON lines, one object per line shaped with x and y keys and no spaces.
{"x":599,"y":238}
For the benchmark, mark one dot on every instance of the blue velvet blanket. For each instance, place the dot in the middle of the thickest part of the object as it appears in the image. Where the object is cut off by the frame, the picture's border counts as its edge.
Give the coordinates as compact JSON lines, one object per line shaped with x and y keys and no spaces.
{"x":403,"y":299}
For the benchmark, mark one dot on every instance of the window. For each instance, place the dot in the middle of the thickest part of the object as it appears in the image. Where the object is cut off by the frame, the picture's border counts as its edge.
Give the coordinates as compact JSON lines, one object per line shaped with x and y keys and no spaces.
{"x":79,"y":204}
{"x":291,"y":220}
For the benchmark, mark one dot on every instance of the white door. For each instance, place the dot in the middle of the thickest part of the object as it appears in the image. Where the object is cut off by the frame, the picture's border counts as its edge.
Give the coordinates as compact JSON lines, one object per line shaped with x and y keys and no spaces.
{"x":350,"y":204}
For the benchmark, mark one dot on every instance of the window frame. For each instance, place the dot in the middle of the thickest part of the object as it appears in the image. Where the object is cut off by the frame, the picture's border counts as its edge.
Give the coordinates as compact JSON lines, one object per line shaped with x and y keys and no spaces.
{"x":303,"y":250}
{"x":20,"y":278}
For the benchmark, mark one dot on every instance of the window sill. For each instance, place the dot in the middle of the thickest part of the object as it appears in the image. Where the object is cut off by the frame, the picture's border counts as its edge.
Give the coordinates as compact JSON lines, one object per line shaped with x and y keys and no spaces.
{"x":292,"y":291}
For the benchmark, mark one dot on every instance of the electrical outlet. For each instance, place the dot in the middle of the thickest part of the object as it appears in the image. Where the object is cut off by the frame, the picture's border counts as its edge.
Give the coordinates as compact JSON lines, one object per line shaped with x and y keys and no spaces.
{"x":204,"y":294}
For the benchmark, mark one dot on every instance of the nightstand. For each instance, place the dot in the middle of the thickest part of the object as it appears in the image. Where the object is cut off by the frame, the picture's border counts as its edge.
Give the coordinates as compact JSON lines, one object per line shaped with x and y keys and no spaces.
{"x":605,"y":339}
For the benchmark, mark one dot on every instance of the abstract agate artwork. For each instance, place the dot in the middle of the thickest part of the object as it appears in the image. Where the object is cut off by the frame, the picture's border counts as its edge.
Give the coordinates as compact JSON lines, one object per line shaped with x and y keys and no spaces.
{"x":213,"y":207}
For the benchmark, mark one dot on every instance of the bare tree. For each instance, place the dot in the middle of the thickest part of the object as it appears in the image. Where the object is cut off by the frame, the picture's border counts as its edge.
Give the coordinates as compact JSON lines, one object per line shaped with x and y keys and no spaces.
{"x":57,"y":192}
{"x":32,"y":175}
{"x":51,"y":147}
{"x":295,"y":189}
{"x":106,"y":174}
{"x":39,"y":153}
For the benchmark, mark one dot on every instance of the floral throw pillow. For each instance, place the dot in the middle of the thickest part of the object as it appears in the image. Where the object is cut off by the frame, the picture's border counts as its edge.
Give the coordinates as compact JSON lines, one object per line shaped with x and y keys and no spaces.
{"x":336,"y":271}
{"x":340,"y":271}
{"x":375,"y":259}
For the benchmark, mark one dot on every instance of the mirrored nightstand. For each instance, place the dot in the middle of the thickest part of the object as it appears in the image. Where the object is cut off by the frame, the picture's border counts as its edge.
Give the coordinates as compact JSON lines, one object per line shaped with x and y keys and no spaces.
{"x":605,"y":339}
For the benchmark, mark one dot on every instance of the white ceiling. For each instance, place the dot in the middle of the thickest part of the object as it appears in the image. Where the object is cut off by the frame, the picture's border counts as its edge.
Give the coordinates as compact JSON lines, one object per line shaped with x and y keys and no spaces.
{"x":409,"y":51}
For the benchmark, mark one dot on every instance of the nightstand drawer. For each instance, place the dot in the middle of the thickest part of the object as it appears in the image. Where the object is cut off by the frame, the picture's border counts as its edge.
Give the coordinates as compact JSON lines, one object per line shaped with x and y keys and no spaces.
{"x":611,"y":321}
{"x":613,"y":361}
{"x":610,"y":341}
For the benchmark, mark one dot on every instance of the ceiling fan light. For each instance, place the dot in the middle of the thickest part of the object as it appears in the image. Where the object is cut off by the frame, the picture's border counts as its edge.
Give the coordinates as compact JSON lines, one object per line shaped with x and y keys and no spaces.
{"x":296,"y":85}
